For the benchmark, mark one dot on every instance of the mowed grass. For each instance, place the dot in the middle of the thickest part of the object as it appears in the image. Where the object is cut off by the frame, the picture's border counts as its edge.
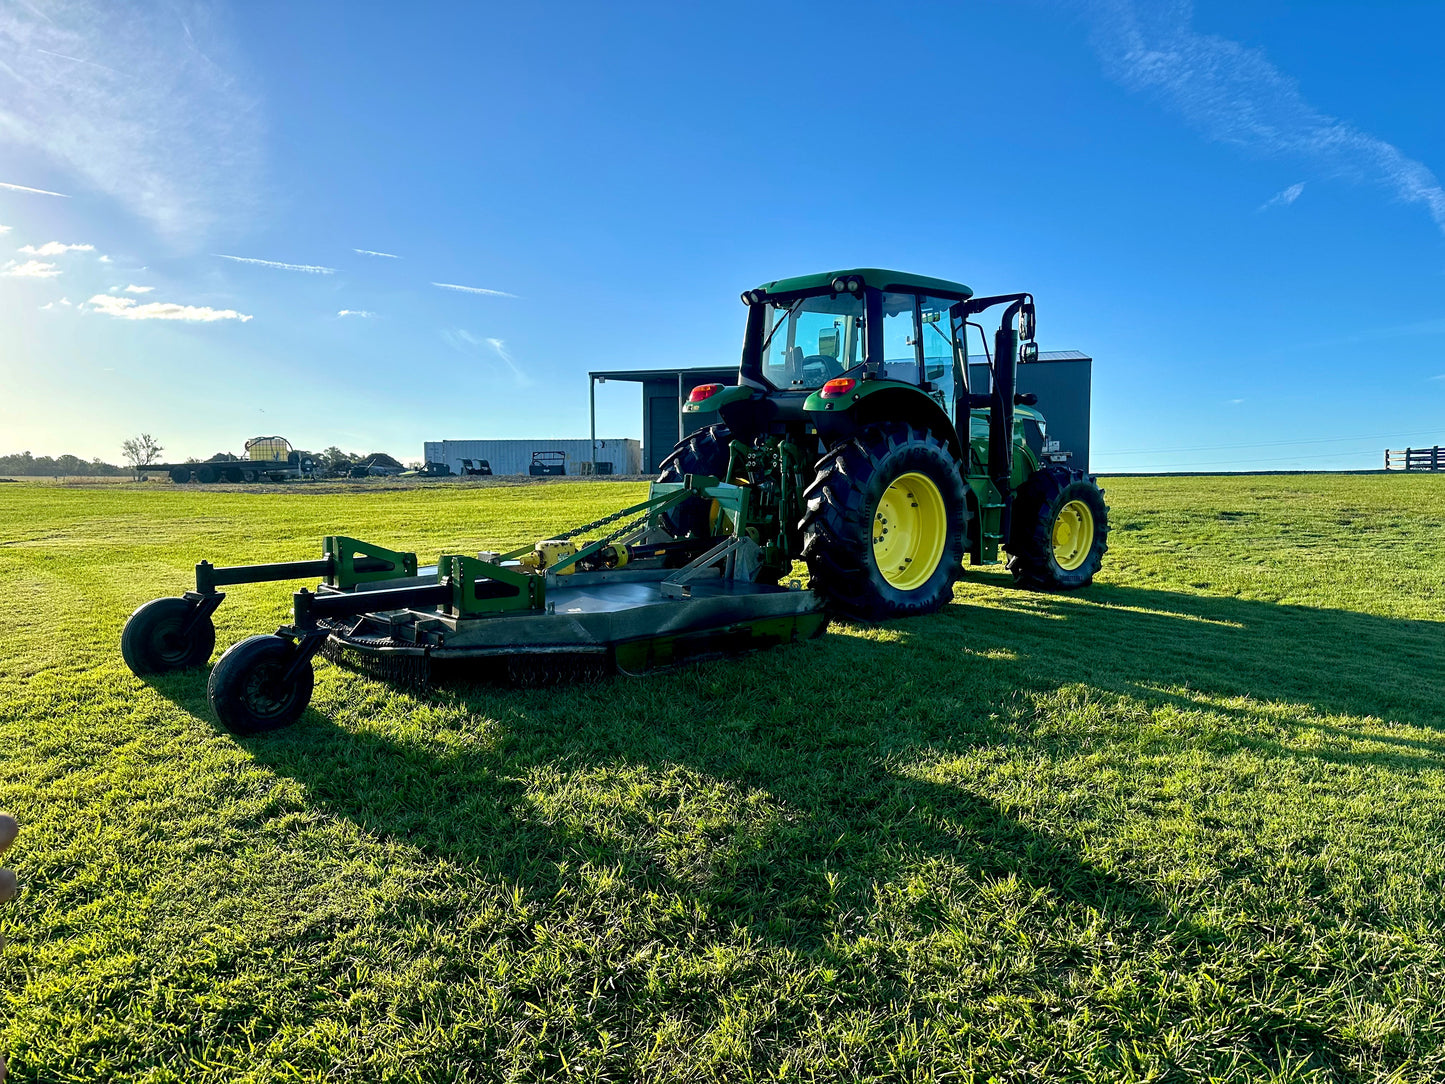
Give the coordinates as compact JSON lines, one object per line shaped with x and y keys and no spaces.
{"x":1188,"y":824}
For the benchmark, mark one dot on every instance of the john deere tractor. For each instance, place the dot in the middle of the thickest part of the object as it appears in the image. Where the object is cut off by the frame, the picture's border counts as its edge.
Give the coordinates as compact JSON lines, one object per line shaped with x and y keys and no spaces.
{"x":867,"y":455}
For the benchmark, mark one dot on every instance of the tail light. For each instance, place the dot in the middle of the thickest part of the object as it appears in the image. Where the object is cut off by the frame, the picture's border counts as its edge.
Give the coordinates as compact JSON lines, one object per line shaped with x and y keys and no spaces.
{"x":838,"y":387}
{"x":703,"y":391}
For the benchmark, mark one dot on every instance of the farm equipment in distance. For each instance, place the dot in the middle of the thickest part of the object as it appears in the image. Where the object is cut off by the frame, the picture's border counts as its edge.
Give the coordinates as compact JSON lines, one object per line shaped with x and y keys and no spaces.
{"x":852,"y":441}
{"x":476,"y":468}
{"x":546,"y":464}
{"x":429,"y":469}
{"x":267,"y":459}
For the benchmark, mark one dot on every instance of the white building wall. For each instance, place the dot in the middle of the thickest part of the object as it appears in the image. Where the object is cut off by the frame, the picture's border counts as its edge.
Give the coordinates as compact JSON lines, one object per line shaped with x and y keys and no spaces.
{"x":515,"y":456}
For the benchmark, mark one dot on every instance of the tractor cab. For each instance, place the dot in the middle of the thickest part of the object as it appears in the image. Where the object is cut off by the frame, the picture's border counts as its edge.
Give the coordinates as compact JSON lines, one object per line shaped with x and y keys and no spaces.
{"x":864,"y":324}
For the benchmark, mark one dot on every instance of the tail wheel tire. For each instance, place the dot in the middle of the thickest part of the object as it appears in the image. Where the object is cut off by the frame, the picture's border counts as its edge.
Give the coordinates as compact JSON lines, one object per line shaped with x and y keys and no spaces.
{"x":703,"y":452}
{"x":249,"y":689}
{"x":161,"y":636}
{"x":885,"y":524}
{"x":1060,"y":530}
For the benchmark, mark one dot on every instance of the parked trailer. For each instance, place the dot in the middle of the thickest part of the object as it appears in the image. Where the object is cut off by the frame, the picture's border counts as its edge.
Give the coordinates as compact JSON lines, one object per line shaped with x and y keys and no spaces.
{"x":268,"y":459}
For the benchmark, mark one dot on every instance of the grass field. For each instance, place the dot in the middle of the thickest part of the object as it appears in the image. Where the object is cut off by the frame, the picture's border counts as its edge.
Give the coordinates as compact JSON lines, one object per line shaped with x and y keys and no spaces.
{"x":1188,"y":824}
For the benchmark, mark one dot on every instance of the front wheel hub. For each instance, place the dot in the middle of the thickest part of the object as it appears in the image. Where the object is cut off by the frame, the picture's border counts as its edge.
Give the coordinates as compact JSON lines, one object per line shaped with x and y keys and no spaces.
{"x":1073,"y":535}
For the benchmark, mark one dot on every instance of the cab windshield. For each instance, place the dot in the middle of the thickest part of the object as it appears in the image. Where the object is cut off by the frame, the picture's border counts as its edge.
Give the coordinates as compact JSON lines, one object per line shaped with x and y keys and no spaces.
{"x":809,"y":341}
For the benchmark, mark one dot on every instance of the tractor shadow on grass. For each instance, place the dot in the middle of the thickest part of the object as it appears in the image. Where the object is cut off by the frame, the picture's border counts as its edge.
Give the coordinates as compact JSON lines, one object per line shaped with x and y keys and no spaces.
{"x":527,"y":782}
{"x":809,"y":796}
{"x":532,"y":785}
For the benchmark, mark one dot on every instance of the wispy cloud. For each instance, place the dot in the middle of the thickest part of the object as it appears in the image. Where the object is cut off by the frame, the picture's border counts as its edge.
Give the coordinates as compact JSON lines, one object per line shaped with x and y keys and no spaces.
{"x":369,"y":252}
{"x":104,"y":259}
{"x":1234,"y":94}
{"x":30,"y":269}
{"x":1284,"y":198}
{"x":127,"y":308}
{"x":501,"y":348}
{"x":64,"y":303}
{"x":363,"y":313}
{"x":465,"y":342}
{"x":133,"y":289}
{"x":54,"y":248}
{"x":4,"y":229}
{"x":143,"y":103}
{"x":1440,"y":377}
{"x":473,"y":289}
{"x":310,"y":269}
{"x":25,"y":188}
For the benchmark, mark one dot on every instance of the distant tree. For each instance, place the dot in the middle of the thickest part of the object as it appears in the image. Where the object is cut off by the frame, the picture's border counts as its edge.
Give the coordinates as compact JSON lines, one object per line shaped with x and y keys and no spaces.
{"x":381,"y":459}
{"x":224,"y":457}
{"x":141,"y":451}
{"x":68,"y":465}
{"x":334,"y":458}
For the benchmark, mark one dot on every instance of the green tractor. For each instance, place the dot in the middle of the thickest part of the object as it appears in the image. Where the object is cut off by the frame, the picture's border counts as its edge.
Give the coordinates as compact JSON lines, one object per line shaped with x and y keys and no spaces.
{"x":867,"y":455}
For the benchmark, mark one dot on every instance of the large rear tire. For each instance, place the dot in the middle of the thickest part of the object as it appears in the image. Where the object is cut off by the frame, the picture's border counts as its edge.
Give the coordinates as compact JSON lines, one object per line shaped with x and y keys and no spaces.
{"x":885,"y":524}
{"x":703,"y":452}
{"x":1060,"y":530}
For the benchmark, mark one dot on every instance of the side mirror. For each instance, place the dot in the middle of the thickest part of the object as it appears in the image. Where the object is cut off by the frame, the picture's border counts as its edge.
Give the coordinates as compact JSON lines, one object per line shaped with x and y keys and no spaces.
{"x":1026,"y":398}
{"x":1028,"y":323}
{"x":1028,"y":353}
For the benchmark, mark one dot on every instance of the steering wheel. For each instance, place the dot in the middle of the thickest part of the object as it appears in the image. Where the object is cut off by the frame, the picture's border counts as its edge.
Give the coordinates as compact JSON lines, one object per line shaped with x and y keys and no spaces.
{"x":830,"y":367}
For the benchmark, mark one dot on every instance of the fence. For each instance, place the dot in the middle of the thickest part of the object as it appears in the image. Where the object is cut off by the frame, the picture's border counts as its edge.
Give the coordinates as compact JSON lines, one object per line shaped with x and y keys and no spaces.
{"x":1416,"y":459}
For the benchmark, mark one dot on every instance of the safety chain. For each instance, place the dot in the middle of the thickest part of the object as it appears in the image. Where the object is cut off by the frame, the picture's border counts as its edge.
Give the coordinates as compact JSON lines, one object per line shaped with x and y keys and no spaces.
{"x":600,"y":523}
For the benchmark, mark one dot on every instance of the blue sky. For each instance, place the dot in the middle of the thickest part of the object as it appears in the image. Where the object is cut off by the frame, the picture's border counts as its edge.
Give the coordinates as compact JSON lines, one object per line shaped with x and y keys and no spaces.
{"x":1232,"y":207}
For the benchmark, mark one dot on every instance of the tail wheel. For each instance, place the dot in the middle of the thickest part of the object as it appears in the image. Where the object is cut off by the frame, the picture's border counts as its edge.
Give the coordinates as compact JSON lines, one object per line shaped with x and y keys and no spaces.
{"x":253,"y":687}
{"x":704,"y":452}
{"x":165,"y":634}
{"x":885,"y":524}
{"x":1060,"y":530}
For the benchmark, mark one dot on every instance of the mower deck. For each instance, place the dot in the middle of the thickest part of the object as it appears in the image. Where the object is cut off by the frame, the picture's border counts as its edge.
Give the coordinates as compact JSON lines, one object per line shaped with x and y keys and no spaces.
{"x":636,"y":599}
{"x":632,"y":618}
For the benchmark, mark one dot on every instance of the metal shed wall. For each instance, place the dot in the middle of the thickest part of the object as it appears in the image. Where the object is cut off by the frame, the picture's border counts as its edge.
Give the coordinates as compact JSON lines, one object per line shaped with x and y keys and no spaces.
{"x":515,"y":456}
{"x":1063,"y":381}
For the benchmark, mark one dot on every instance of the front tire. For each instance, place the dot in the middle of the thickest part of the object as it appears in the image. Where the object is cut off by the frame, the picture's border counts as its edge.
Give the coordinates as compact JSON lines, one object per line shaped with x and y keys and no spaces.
{"x":885,"y":524}
{"x":249,"y":690}
{"x":1060,"y":530}
{"x":160,"y":636}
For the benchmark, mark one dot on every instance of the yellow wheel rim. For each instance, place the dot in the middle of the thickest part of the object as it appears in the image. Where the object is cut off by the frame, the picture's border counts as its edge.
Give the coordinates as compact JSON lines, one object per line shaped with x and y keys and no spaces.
{"x":1073,"y":535}
{"x":910,"y":530}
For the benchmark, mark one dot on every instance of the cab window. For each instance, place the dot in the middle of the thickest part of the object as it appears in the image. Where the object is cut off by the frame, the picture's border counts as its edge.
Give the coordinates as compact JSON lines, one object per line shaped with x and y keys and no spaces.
{"x":812,"y":339}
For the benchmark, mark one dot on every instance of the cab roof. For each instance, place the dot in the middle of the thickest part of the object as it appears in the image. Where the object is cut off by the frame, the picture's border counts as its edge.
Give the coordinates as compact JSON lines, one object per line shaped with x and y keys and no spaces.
{"x":876,"y":277}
